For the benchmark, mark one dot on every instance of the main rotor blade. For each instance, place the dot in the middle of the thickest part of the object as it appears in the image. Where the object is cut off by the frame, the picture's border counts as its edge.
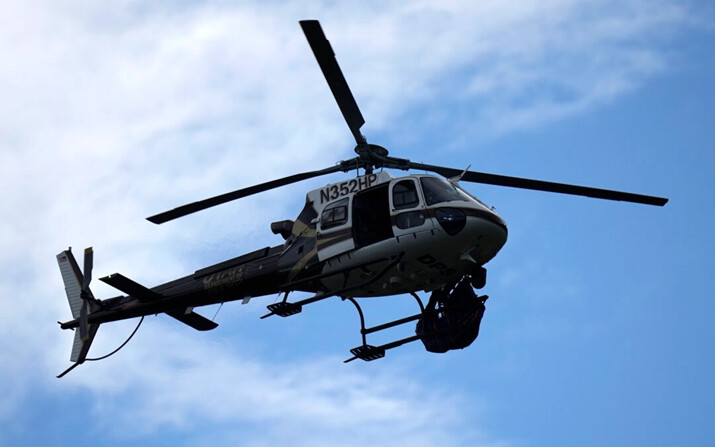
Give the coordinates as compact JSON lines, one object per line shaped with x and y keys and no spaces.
{"x":540,"y":185}
{"x":331,"y":70}
{"x":239,"y":193}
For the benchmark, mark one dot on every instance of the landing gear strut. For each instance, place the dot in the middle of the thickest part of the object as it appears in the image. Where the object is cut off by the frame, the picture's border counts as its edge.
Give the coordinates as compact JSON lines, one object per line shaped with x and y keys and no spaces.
{"x":450,"y":321}
{"x":369,"y":352}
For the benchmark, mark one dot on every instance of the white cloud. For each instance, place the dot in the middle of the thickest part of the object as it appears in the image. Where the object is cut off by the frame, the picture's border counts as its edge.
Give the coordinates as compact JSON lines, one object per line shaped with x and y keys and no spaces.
{"x":177,"y":382}
{"x":114,"y":112}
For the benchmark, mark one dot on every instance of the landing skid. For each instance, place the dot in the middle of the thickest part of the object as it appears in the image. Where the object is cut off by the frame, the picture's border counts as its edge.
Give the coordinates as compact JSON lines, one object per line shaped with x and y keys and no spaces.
{"x":286,"y":308}
{"x":365,"y":351}
{"x":368,"y":352}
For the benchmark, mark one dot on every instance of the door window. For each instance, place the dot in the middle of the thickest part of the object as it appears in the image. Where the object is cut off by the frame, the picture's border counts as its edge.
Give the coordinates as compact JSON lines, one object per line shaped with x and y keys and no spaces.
{"x":410,"y":219}
{"x":404,"y":195}
{"x":334,"y":214}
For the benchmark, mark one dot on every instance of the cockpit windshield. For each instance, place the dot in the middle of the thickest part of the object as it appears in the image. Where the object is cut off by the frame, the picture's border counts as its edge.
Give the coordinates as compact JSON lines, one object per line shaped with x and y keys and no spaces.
{"x":475,"y":198}
{"x":437,"y":190}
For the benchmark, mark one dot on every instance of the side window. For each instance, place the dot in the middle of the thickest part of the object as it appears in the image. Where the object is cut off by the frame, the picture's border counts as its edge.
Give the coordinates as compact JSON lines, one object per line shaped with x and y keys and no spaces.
{"x":334,"y":214}
{"x":404,"y":195}
{"x":409,"y":219}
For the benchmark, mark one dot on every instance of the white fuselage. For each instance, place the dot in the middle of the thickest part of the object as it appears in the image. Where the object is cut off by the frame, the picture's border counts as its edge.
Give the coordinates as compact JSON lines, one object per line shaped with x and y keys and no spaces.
{"x":442,"y":232}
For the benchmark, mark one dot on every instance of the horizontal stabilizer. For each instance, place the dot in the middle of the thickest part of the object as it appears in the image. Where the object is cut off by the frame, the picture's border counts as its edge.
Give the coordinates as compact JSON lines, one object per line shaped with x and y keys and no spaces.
{"x":144,"y":294}
{"x":196,"y":321}
{"x":131,"y":288}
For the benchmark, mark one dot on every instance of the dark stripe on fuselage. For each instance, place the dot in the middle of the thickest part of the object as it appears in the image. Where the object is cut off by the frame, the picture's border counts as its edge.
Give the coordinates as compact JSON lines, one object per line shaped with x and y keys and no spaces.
{"x":469,"y":212}
{"x":326,"y":240}
{"x":486,"y":215}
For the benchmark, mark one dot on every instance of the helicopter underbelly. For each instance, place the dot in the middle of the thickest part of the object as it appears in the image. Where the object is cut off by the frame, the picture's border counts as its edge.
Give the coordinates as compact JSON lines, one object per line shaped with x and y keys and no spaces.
{"x":432,"y":259}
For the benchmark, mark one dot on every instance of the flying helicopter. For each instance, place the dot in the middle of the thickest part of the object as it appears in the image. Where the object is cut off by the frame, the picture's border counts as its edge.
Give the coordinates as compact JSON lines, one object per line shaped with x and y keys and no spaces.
{"x":372,"y":235}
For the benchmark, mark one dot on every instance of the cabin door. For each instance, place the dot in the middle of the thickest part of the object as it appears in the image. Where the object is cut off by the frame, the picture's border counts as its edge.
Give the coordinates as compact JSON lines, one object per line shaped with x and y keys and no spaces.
{"x":407,"y":208}
{"x":334,"y":233}
{"x":371,"y":216}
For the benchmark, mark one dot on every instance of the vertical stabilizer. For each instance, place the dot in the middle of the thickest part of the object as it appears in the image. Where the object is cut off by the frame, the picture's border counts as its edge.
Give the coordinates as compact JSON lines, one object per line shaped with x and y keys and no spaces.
{"x":72,"y":278}
{"x":81,"y":302}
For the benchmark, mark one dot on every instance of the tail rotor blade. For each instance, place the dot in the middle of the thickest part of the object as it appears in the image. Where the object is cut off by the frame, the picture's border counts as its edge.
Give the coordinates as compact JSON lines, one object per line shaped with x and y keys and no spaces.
{"x":85,"y":293}
{"x":87,"y":273}
{"x":83,"y":321}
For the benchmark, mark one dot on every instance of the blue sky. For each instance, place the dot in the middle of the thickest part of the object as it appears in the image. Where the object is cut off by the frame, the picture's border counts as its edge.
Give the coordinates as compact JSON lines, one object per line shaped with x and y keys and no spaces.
{"x":598,"y":327}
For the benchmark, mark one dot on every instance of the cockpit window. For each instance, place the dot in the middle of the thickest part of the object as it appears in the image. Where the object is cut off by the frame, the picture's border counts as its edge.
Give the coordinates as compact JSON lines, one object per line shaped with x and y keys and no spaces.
{"x":334,"y":214}
{"x":464,"y":191}
{"x":404,"y":195}
{"x":437,"y":190}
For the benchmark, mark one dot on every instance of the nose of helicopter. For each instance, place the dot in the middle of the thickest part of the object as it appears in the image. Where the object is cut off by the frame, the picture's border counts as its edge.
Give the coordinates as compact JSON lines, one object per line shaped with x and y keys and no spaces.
{"x":482,"y":229}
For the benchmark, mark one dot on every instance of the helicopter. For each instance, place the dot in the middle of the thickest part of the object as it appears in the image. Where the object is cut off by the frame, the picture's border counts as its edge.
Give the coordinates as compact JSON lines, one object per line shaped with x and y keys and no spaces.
{"x":373,"y":235}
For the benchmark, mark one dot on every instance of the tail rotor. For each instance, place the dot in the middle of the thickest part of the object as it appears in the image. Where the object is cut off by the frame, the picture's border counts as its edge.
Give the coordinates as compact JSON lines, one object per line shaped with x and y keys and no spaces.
{"x":85,"y":293}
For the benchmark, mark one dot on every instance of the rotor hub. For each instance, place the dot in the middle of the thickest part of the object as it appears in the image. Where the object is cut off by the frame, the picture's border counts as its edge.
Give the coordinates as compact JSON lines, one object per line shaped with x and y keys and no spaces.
{"x":371,"y":156}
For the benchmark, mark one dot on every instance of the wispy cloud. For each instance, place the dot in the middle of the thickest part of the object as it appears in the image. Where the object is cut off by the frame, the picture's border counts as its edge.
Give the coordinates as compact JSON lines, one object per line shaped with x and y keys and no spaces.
{"x":113,"y":112}
{"x":528,"y":64}
{"x":179,"y":383}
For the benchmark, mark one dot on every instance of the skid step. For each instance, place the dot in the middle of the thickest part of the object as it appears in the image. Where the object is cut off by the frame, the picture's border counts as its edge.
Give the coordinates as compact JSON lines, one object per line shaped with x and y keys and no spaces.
{"x":367,"y":353}
{"x":285,"y":309}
